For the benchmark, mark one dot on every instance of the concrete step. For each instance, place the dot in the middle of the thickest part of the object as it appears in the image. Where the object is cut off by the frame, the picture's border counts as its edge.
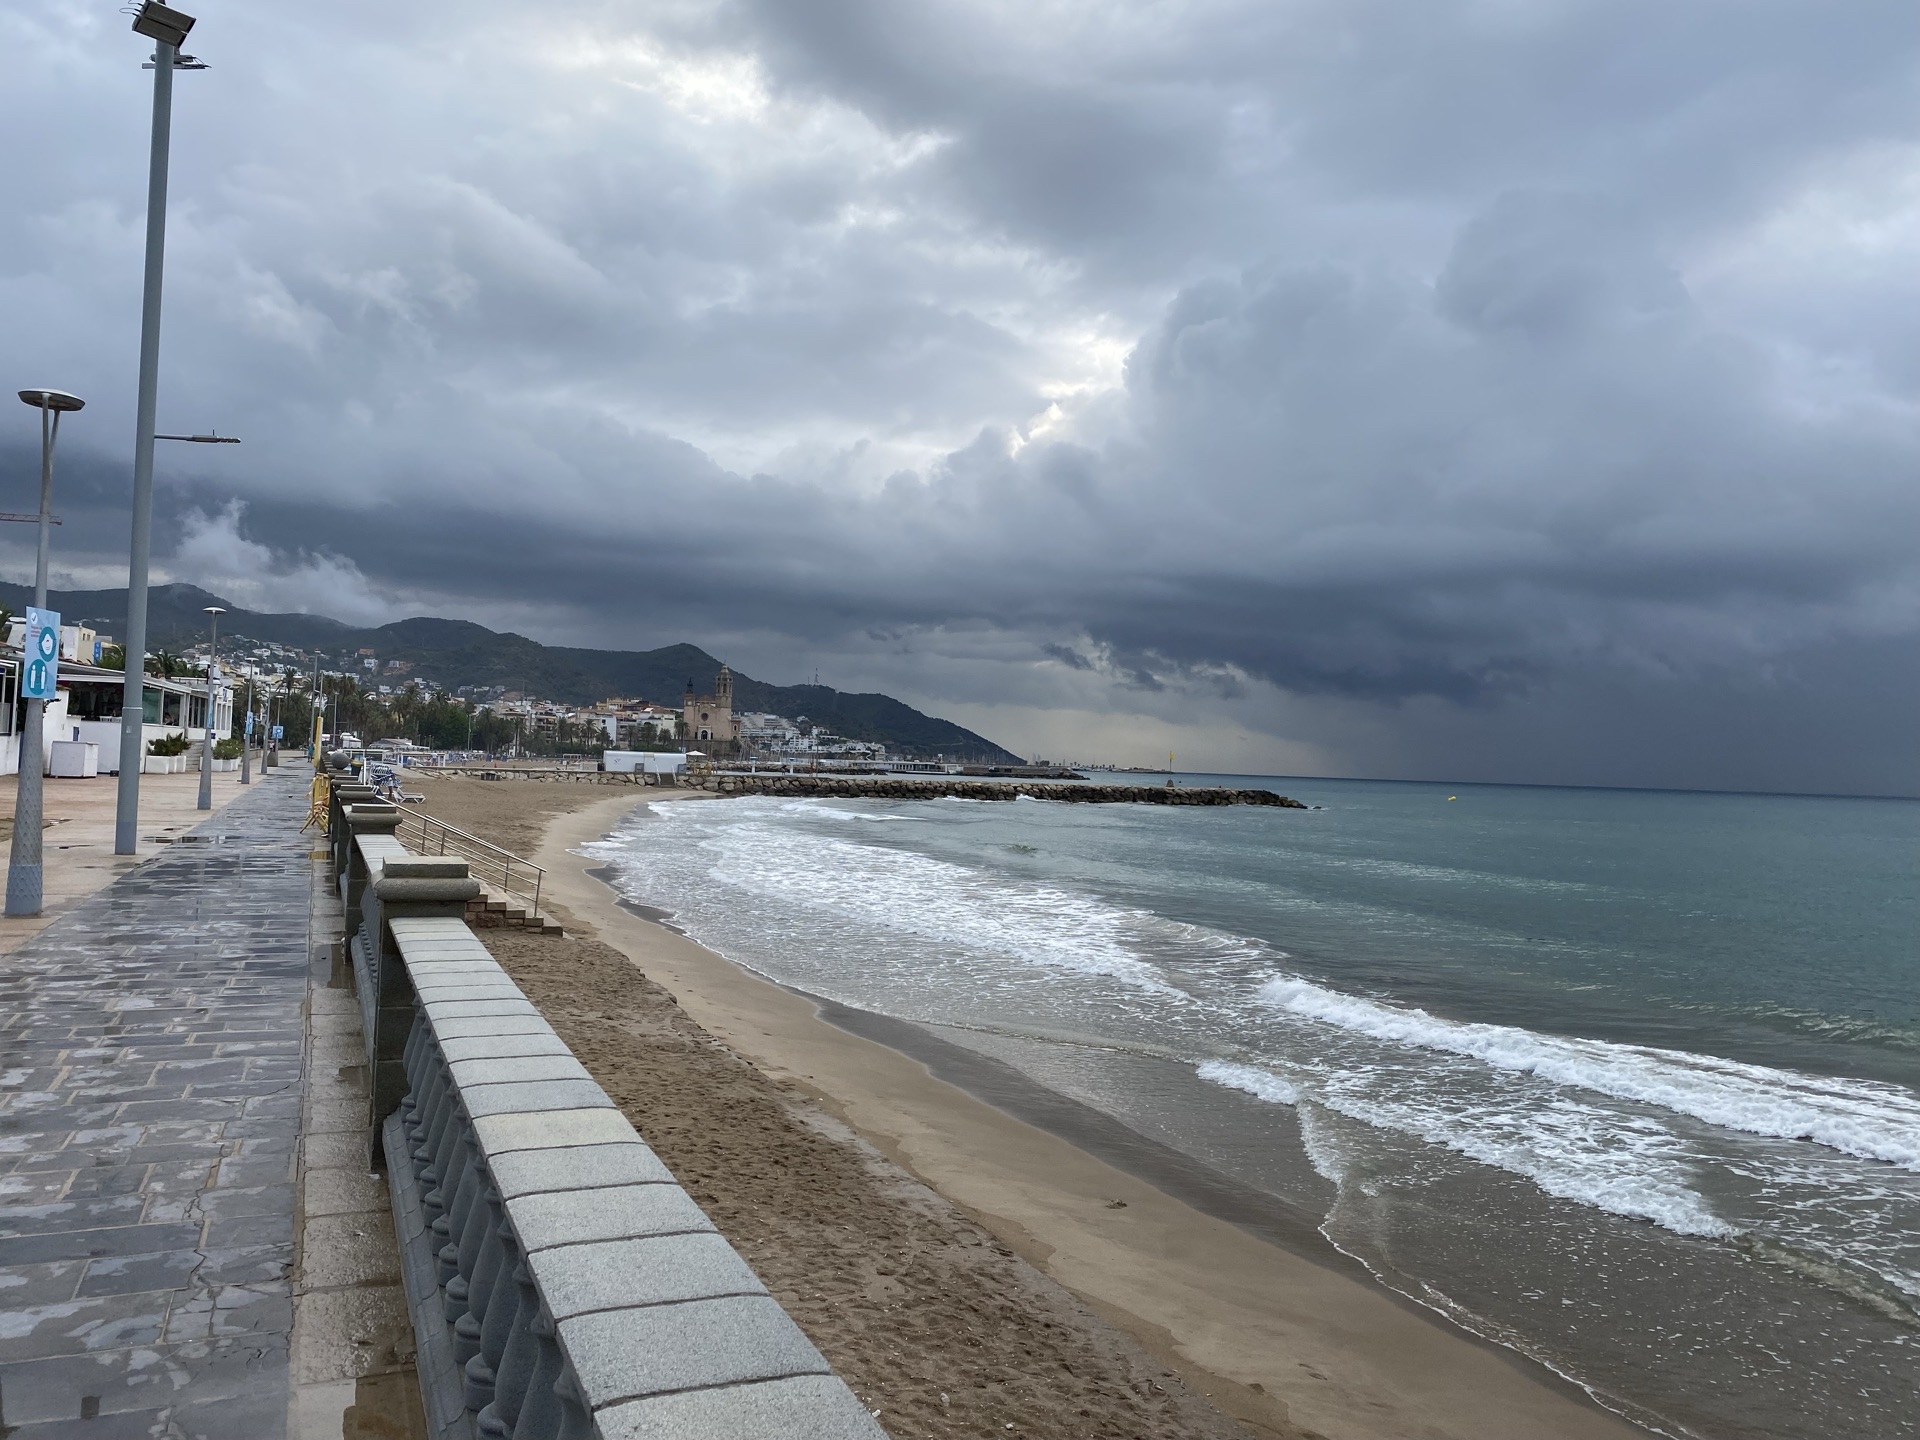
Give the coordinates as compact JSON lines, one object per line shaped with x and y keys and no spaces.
{"x":489,"y":912}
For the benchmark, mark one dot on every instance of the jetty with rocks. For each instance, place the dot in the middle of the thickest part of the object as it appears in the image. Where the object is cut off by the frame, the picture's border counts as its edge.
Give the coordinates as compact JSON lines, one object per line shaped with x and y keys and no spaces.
{"x":861,"y":787}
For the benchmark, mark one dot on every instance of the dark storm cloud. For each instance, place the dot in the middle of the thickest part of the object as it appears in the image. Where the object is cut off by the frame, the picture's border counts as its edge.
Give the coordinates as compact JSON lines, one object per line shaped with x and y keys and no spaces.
{"x":1402,"y":380}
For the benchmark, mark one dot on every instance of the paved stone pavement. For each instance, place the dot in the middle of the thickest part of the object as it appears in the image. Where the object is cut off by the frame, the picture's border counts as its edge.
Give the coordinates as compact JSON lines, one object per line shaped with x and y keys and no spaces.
{"x":150,"y":1063}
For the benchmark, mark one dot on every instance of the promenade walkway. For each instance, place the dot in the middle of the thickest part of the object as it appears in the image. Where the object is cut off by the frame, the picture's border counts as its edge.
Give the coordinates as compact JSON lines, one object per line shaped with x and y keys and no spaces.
{"x":78,"y":838}
{"x":150,"y":1103}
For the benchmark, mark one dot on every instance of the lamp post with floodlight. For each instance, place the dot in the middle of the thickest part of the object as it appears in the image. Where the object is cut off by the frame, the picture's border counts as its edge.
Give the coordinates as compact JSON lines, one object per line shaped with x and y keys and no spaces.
{"x":167,"y":28}
{"x":23,"y":868}
{"x":206,"y":743}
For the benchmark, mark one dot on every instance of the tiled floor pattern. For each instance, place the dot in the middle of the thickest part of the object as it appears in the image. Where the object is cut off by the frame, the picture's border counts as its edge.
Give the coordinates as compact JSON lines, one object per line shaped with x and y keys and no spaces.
{"x":150,"y":1107}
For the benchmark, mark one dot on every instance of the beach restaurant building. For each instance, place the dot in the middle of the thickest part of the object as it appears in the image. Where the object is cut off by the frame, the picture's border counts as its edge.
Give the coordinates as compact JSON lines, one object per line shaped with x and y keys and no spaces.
{"x":89,"y":707}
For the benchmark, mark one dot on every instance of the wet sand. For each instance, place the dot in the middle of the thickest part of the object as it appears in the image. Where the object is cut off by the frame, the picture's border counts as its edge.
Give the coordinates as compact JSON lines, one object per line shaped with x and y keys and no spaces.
{"x":1171,"y":1269}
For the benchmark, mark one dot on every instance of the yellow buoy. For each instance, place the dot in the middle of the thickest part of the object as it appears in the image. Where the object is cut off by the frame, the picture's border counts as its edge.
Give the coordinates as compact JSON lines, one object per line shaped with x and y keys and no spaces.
{"x":1453,"y":797}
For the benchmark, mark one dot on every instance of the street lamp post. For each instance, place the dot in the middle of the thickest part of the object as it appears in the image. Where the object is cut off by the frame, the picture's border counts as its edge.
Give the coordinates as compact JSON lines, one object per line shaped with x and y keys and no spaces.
{"x":246,"y":737}
{"x":23,"y":868}
{"x":206,"y":728}
{"x":167,"y":28}
{"x":316,"y":711}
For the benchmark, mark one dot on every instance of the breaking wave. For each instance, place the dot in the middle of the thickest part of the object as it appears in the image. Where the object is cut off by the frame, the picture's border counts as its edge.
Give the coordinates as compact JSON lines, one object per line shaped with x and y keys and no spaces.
{"x":1863,"y":1118}
{"x":1589,"y":1154}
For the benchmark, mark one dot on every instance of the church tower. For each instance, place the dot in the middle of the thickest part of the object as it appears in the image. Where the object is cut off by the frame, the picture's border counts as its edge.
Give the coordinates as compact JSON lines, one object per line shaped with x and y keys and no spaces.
{"x":709,"y":719}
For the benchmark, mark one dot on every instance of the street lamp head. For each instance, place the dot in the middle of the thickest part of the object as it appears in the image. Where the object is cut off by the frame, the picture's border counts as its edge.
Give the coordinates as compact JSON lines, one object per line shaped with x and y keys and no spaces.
{"x":56,"y":400}
{"x":162,"y":23}
{"x":214,"y":609}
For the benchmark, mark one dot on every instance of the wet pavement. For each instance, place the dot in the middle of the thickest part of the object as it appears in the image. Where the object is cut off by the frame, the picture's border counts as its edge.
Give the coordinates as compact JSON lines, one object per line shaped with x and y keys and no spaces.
{"x":150,"y":1106}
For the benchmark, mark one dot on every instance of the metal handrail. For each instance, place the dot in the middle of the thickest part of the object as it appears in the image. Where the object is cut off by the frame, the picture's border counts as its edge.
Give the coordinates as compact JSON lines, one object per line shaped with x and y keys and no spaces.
{"x":437,"y":837}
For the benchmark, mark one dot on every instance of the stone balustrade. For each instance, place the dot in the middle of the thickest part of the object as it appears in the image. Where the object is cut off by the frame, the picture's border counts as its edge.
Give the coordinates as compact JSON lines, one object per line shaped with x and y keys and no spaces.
{"x":563,"y":1285}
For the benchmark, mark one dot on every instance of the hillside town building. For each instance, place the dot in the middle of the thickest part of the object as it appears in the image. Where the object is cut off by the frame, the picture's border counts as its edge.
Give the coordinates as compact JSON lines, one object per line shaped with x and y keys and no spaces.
{"x":709,"y":719}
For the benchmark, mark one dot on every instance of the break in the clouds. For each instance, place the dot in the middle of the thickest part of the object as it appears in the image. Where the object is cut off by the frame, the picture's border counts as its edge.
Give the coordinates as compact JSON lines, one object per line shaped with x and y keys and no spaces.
{"x":1514,"y":389}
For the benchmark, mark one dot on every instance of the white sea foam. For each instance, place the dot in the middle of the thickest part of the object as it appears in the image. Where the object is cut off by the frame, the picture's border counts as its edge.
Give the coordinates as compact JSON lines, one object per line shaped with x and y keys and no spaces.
{"x":901,"y":891}
{"x":1261,"y":1084}
{"x":1585,"y":1153}
{"x":829,"y":812}
{"x":1857,"y":1117}
{"x":859,"y":919}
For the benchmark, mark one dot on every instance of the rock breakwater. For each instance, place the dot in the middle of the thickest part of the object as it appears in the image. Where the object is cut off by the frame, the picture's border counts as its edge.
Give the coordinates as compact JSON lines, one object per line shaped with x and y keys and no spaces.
{"x":853,"y":787}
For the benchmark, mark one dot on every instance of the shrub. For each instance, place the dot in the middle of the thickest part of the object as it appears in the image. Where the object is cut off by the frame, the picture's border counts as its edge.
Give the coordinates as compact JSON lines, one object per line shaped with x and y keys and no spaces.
{"x":227,"y":749}
{"x":168,"y":745}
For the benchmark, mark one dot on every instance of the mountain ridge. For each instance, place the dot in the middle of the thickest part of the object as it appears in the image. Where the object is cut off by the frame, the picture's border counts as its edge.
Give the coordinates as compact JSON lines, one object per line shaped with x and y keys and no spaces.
{"x":453,"y":653}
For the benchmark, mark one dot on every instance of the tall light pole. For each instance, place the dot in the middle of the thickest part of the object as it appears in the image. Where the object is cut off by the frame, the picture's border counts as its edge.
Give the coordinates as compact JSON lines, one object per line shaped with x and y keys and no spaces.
{"x":206,"y":728}
{"x":167,"y":28}
{"x":23,"y":867}
{"x":317,"y":711}
{"x":246,"y":737}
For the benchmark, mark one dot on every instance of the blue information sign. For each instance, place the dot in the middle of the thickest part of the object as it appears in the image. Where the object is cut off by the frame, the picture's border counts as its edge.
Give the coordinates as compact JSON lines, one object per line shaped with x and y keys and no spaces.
{"x":279,"y":732}
{"x":40,"y":655}
{"x":249,"y":724}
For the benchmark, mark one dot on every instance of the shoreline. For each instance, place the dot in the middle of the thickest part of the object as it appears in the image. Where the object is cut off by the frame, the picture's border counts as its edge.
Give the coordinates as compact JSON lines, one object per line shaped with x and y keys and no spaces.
{"x":1243,"y":1297}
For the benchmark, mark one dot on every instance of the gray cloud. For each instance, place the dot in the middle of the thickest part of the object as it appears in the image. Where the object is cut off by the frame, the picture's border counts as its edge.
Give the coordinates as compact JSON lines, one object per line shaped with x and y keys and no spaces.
{"x":1514,"y":390}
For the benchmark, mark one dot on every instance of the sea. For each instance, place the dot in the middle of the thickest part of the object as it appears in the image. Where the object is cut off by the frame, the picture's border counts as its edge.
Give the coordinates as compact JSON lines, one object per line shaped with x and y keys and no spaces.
{"x":1628,"y":1081}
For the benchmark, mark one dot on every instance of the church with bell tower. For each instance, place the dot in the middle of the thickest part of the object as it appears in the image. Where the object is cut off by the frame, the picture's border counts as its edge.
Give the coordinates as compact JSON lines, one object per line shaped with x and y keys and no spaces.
{"x":709,"y":720}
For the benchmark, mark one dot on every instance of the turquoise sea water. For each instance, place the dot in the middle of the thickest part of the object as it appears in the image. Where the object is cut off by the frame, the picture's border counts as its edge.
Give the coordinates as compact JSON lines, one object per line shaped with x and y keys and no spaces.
{"x":1627,"y":1080}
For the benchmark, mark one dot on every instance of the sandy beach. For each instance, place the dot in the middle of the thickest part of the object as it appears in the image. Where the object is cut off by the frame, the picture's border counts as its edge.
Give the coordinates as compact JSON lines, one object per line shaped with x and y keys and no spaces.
{"x":971,"y":1267}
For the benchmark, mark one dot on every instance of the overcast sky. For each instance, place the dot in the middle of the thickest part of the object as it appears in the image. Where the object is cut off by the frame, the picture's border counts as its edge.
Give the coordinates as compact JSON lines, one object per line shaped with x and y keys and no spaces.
{"x":1502,"y":389}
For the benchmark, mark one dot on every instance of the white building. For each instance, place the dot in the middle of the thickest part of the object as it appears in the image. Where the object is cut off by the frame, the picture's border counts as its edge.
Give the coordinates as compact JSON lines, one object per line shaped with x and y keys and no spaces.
{"x":87,"y":709}
{"x":643,"y":762}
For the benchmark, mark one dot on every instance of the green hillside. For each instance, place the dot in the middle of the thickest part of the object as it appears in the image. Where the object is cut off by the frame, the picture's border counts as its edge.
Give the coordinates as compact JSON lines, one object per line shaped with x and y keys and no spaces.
{"x":453,"y":653}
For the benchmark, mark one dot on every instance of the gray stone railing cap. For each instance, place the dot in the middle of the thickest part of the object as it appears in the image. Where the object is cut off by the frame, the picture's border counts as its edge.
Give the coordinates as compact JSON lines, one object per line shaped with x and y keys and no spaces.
{"x":552,"y":1129}
{"x":797,"y":1407}
{"x":438,"y":987}
{"x":437,"y":944}
{"x":649,"y":1270}
{"x":697,"y":1343}
{"x":427,"y":867}
{"x":430,"y":982}
{"x":438,"y":1010}
{"x":473,"y":1027}
{"x":466,"y":987}
{"x":512,"y":1069}
{"x":617,"y":1212}
{"x":501,"y":1047}
{"x":577,"y":1167}
{"x":423,"y":890}
{"x":435,"y":928}
{"x":521,"y":1096}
